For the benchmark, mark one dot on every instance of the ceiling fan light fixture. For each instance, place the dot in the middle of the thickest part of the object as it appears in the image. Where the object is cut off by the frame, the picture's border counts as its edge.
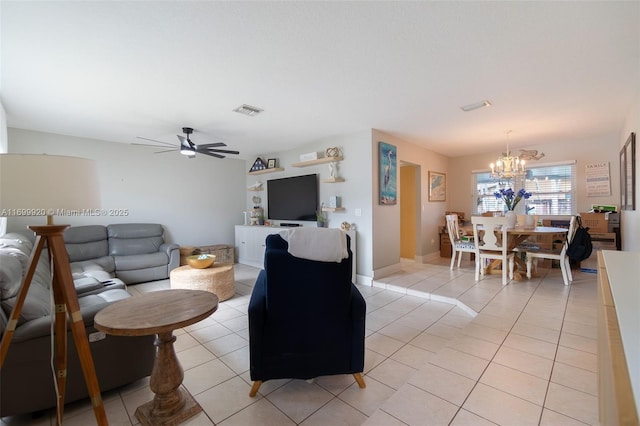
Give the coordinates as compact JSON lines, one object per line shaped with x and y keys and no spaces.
{"x":187,"y":151}
{"x":248,"y":110}
{"x":477,"y":105}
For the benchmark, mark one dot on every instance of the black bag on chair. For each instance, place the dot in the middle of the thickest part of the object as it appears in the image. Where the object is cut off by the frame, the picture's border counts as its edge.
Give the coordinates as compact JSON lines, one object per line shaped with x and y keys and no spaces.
{"x":581,"y":246}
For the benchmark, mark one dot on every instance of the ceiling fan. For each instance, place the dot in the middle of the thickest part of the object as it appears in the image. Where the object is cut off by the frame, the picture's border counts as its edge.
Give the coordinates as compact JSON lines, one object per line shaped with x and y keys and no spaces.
{"x":188,"y":148}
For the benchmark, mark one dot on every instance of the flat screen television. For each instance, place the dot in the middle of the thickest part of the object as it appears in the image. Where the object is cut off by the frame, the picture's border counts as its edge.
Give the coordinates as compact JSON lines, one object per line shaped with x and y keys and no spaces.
{"x":292,"y":198}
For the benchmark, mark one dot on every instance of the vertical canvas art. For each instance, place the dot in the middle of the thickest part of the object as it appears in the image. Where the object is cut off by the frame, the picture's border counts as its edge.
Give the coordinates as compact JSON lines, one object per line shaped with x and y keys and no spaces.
{"x":387,"y":156}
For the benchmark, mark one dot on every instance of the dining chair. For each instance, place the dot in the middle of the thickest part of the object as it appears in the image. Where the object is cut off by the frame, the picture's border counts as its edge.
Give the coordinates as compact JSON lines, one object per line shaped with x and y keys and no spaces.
{"x":534,"y":254}
{"x":457,"y":245}
{"x":491,"y":242}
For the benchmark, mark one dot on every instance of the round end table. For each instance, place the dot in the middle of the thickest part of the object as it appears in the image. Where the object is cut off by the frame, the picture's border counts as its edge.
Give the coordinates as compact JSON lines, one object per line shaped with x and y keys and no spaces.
{"x":217,"y":279}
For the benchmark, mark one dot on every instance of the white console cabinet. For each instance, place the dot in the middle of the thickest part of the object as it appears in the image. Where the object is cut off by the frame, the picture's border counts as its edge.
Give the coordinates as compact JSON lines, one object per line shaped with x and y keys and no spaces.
{"x":250,"y":243}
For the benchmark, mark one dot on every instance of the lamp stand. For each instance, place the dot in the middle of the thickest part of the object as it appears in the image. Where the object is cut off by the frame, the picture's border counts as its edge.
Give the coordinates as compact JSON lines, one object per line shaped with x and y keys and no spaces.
{"x":65,"y":300}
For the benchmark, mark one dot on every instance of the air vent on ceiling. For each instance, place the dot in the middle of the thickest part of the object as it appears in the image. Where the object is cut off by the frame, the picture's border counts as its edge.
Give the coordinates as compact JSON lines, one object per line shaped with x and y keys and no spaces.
{"x":477,"y":105}
{"x":248,"y":110}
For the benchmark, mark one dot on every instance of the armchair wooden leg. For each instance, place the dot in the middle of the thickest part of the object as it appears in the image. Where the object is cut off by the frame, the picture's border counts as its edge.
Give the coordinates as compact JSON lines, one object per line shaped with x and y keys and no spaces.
{"x":359,"y":380}
{"x":254,"y":388}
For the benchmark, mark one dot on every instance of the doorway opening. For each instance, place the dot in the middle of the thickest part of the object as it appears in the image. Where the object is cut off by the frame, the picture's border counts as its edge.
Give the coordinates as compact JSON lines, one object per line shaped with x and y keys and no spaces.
{"x":410,"y":211}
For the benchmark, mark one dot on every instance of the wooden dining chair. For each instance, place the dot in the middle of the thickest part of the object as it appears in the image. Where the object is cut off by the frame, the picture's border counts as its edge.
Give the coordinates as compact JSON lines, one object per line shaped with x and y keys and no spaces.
{"x":560,"y":254}
{"x":491,"y":242}
{"x":457,"y":245}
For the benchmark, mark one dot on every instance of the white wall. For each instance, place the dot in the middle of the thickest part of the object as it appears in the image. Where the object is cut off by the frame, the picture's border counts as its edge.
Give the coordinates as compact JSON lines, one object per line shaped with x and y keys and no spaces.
{"x":386,"y":218}
{"x":630,"y":220}
{"x":588,"y":150}
{"x":354,"y":192}
{"x":4,"y":146}
{"x":197,"y":200}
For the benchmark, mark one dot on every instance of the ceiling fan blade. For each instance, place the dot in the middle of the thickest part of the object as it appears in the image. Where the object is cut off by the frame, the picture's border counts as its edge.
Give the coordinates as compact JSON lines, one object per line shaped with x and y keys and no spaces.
{"x":211,"y":145}
{"x":168,"y":150}
{"x":154,"y":146}
{"x":211,"y":154}
{"x":225,"y":151}
{"x":153,"y":140}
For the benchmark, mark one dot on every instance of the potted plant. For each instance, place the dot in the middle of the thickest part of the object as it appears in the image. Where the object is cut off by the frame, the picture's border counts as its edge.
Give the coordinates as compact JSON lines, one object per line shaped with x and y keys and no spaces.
{"x":511,"y":200}
{"x":260,"y":218}
{"x":321,"y":219}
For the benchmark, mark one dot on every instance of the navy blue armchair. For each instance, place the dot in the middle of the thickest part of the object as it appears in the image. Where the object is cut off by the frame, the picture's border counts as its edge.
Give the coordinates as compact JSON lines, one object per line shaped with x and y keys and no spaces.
{"x":306,"y":318}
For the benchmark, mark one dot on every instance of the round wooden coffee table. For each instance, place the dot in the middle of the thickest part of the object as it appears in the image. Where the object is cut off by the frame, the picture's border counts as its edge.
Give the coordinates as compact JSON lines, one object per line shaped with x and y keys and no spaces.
{"x":217,"y":279}
{"x":160,"y":312}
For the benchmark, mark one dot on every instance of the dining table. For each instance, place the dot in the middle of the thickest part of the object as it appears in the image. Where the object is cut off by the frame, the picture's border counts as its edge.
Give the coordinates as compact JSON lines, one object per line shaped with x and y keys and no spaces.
{"x":517,"y":236}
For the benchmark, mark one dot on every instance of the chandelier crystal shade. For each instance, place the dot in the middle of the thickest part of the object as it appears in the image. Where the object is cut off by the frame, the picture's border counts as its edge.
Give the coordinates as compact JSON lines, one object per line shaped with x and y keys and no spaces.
{"x":507,"y":166}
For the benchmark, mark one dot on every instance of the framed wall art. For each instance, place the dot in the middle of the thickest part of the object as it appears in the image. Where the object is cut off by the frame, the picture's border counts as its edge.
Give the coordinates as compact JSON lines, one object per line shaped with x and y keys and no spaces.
{"x":628,"y":174}
{"x":387,"y":156}
{"x":437,"y":186}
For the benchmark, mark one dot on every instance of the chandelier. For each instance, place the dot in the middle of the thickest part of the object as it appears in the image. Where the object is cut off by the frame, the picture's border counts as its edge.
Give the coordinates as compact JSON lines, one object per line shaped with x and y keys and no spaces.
{"x":507,"y":166}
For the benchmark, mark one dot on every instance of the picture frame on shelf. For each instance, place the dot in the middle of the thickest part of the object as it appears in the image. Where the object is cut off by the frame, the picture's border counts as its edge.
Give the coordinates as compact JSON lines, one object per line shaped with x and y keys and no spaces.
{"x":258,"y":165}
{"x":437,"y":186}
{"x":628,"y":174}
{"x":272,"y":163}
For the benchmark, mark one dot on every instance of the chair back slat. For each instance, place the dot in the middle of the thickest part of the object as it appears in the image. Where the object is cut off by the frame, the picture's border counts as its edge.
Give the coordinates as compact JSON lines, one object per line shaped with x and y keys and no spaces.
{"x":452,"y":227}
{"x":490,"y":233}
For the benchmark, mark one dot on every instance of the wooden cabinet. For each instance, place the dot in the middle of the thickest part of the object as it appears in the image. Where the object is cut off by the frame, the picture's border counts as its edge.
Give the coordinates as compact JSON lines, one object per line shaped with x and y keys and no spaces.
{"x":445,"y":245}
{"x":618,"y":317}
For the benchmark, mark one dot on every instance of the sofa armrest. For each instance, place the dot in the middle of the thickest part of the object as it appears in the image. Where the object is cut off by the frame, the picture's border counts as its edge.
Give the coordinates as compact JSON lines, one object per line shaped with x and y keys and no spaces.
{"x":173,"y":253}
{"x":168,"y":248}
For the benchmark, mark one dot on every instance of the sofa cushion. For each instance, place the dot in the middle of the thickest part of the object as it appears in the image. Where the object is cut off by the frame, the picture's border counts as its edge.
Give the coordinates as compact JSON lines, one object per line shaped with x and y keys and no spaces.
{"x":134,"y":238}
{"x":141,"y":261}
{"x":17,"y":245}
{"x":86,"y":242}
{"x":105,"y":264}
{"x":10,"y":275}
{"x":37,"y":304}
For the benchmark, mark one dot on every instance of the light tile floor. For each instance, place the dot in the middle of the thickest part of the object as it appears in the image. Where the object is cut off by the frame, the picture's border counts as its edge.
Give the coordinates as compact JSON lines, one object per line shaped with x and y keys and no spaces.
{"x":441,"y":349}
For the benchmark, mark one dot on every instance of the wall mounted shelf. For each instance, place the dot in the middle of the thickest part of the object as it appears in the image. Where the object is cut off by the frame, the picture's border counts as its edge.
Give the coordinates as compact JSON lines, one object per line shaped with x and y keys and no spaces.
{"x":333,"y":180}
{"x":333,"y":209}
{"x":324,"y":160}
{"x":272,"y":170}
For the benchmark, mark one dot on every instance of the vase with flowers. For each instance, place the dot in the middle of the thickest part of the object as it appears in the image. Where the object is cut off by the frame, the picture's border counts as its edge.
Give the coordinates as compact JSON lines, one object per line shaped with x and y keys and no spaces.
{"x":511,"y":200}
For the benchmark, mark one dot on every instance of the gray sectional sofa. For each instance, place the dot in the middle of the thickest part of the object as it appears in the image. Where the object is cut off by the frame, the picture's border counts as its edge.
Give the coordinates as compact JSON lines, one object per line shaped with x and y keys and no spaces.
{"x":131,"y":252}
{"x":103,"y":260}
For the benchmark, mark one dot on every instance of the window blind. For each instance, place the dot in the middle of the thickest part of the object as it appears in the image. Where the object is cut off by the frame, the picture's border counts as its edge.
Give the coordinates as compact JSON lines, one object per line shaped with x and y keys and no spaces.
{"x":553,"y":186}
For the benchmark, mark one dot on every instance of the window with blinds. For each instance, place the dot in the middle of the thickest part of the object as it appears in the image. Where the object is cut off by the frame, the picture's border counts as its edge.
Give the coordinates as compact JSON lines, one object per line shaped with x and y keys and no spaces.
{"x":553,"y":186}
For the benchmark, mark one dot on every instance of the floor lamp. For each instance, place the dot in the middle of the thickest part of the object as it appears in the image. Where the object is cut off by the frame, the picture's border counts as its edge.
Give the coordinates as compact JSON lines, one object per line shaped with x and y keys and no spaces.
{"x":48,"y":185}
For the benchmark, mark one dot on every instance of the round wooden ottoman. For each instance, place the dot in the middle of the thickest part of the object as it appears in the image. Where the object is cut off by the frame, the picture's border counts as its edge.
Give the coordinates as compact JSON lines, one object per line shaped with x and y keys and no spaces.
{"x":217,"y":279}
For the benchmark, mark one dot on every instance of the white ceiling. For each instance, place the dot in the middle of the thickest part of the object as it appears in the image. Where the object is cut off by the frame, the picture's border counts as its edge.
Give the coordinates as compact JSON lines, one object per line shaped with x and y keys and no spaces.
{"x":554,"y":71}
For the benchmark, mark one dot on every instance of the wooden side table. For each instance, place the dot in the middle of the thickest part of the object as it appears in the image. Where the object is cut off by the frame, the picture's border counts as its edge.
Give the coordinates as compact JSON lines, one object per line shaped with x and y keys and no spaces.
{"x":160,"y":312}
